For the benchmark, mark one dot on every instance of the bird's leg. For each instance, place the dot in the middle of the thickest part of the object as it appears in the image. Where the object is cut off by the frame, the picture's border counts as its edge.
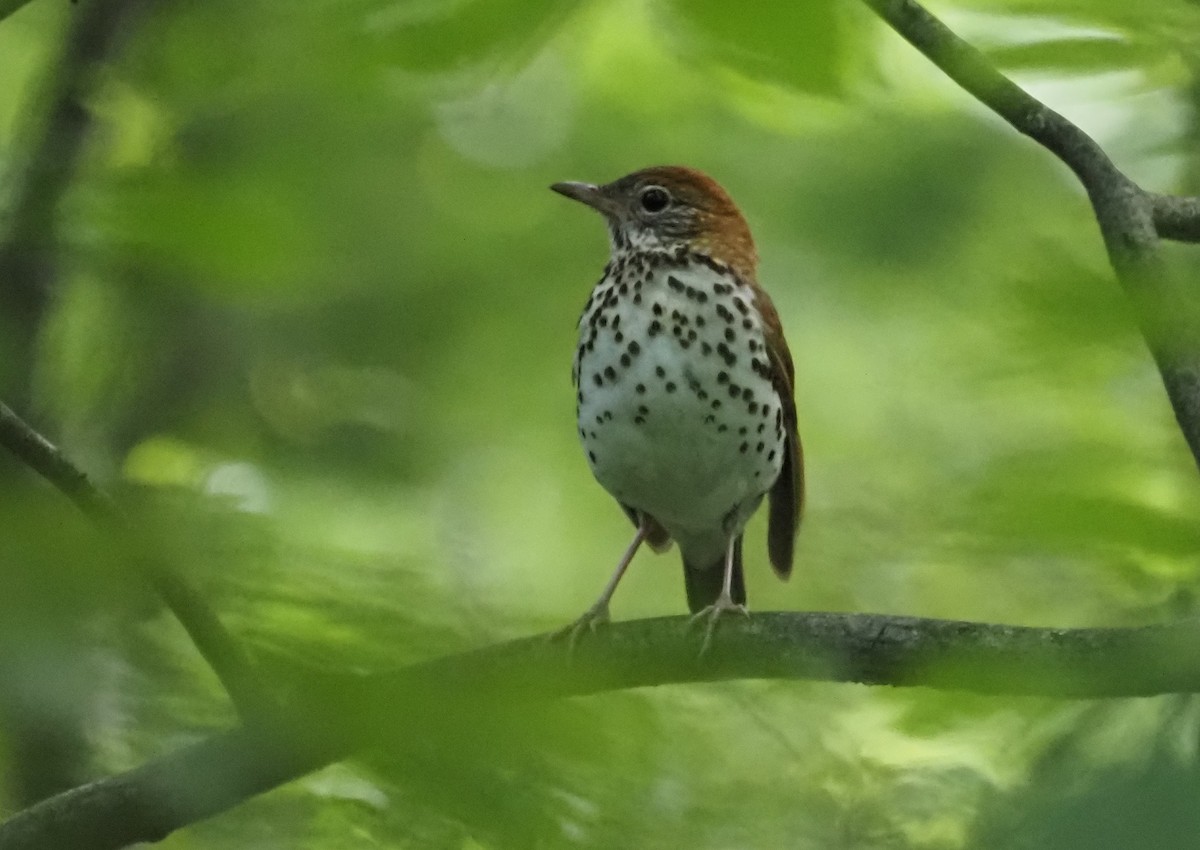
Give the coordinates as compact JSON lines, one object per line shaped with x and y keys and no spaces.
{"x":598,"y":612}
{"x":724,"y":602}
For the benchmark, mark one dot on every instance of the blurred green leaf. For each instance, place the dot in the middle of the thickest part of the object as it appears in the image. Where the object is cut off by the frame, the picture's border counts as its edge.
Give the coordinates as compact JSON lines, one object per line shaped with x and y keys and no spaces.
{"x":800,"y":45}
{"x":1082,"y":55}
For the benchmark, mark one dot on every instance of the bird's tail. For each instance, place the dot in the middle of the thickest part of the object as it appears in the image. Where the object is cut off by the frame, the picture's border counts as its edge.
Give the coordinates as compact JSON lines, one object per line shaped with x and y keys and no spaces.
{"x":704,"y":581}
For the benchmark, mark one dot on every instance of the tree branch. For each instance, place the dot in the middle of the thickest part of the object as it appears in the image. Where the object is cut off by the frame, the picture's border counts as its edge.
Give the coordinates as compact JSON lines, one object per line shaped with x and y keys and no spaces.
{"x":214,"y":643}
{"x":344,"y":712}
{"x":1168,"y":315}
{"x":1176,"y":217}
{"x":27,"y":247}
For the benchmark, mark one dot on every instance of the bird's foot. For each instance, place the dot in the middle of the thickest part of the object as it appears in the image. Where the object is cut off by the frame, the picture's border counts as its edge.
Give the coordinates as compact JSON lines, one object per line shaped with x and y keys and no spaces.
{"x":595,"y":616}
{"x":712,"y":614}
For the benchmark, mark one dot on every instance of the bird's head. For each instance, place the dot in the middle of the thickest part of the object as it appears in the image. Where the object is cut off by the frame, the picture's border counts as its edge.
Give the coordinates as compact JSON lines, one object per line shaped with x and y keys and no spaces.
{"x":668,"y":207}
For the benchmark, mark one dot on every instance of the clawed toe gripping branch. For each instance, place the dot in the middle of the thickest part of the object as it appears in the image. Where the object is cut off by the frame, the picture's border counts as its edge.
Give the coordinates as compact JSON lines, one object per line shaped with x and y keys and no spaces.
{"x":169,"y":792}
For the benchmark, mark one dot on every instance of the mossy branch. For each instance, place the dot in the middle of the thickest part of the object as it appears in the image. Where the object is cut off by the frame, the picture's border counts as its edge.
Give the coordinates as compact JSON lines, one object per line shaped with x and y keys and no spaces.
{"x":339,"y":713}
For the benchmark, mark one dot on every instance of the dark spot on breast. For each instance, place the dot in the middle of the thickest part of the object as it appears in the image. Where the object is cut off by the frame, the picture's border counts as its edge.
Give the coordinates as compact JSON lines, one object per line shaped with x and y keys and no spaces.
{"x":770,"y":454}
{"x":618,"y":337}
{"x":610,"y":372}
{"x":654,"y":328}
{"x":660,"y":371}
{"x":626,"y":360}
{"x":641,"y":388}
{"x":599,"y":381}
{"x":742,"y":431}
{"x":741,"y":306}
{"x":599,"y":420}
{"x":760,"y":447}
{"x":705,"y":349}
{"x":692,"y":334}
{"x":642,"y":409}
{"x":722,"y":377}
{"x":716,"y":404}
{"x":734,"y":391}
{"x":753,"y":408}
{"x":592,"y":457}
{"x":675,"y":283}
{"x":747,"y":394}
{"x":743,"y":447}
{"x":637,"y":420}
{"x":637,"y":298}
{"x":730,"y":336}
{"x":722,"y":428}
{"x":670,"y":387}
{"x":658,"y":309}
{"x":709,"y":419}
{"x":747,"y":324}
{"x":634,"y":348}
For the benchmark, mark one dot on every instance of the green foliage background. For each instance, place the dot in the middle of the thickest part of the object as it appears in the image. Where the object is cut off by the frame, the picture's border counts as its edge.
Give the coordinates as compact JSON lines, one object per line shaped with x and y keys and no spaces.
{"x":314,"y":320}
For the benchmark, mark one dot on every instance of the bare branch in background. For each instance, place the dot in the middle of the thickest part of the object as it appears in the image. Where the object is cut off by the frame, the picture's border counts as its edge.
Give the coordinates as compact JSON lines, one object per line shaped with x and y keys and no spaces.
{"x":1176,"y":217}
{"x":43,"y":175}
{"x":215,"y":644}
{"x":1168,"y":314}
{"x":28,"y":252}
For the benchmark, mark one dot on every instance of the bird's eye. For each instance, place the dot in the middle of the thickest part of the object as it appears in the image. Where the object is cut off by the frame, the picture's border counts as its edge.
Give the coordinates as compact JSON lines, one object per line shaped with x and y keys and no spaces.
{"x":654,"y":199}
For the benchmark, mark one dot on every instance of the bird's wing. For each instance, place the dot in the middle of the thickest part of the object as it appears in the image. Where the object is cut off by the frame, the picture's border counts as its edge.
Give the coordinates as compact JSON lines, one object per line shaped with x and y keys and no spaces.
{"x":787,"y":493}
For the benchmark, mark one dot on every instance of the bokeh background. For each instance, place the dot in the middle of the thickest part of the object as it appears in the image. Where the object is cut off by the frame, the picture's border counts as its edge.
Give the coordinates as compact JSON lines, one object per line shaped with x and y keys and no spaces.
{"x":310,"y":317}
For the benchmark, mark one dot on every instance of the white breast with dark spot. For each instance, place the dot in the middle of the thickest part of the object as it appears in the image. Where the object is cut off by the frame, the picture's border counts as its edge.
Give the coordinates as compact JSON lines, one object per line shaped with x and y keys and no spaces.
{"x":676,"y":409}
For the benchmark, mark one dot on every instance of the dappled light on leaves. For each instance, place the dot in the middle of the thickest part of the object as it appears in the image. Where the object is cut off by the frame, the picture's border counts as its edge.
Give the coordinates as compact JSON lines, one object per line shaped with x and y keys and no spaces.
{"x":311,"y":326}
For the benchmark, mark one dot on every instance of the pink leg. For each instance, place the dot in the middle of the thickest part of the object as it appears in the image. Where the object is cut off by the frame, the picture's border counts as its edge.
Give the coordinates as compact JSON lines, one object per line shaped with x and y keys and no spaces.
{"x":723,"y":604}
{"x":598,"y":612}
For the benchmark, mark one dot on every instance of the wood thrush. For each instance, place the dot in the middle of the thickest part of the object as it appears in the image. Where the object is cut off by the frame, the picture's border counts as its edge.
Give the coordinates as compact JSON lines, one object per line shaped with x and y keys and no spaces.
{"x":684,"y":386}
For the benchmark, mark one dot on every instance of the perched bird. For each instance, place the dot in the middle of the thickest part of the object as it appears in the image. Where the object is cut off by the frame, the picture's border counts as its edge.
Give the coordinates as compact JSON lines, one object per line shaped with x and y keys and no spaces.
{"x":684,"y":385}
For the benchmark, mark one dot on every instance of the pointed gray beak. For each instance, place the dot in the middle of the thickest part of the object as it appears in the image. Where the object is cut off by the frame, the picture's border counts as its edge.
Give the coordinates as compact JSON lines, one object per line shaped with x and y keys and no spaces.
{"x":588,"y":194}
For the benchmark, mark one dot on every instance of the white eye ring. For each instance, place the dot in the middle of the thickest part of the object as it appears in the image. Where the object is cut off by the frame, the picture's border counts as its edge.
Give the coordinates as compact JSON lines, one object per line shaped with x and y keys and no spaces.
{"x":654,"y":199}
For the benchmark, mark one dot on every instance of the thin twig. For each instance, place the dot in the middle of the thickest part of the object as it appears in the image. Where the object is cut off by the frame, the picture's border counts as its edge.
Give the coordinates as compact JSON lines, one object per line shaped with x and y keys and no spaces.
{"x":27,"y":250}
{"x":1168,"y":314}
{"x":214,"y":643}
